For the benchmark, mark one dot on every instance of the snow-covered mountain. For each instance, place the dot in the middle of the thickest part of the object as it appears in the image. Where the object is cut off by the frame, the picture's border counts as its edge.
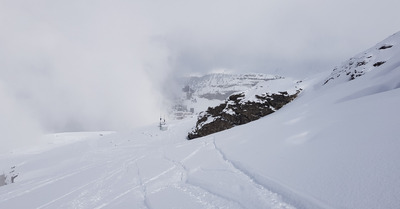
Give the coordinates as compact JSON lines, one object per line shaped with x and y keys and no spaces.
{"x":220,"y":86}
{"x":335,"y":146}
{"x":200,"y":92}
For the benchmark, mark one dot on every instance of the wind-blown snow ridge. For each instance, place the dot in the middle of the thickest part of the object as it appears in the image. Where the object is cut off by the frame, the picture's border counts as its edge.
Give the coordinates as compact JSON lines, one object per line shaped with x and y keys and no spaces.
{"x":274,"y":200}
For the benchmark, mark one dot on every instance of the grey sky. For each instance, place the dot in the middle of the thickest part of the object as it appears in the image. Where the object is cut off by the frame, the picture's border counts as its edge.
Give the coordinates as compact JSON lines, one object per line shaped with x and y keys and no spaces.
{"x":100,"y":65}
{"x":294,"y":37}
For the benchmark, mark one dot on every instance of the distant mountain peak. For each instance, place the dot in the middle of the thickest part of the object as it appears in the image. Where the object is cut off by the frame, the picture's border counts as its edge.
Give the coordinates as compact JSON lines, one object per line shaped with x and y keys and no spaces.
{"x":221,"y":85}
{"x":200,"y":92}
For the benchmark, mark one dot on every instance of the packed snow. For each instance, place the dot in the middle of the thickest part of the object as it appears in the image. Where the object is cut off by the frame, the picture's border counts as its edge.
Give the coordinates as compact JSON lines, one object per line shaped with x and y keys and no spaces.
{"x":334,"y":146}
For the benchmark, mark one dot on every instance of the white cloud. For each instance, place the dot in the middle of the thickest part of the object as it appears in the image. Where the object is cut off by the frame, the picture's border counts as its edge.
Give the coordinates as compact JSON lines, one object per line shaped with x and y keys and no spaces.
{"x":17,"y":127}
{"x":90,"y":65}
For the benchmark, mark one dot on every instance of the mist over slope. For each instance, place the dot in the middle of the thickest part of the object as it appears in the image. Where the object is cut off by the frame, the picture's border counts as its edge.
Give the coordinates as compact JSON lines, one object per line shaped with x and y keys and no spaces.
{"x":335,"y":146}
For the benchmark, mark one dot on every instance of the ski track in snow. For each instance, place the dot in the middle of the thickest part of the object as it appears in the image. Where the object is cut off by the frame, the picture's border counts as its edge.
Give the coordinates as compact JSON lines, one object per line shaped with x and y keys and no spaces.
{"x":43,"y":183}
{"x":179,"y":168}
{"x":267,"y":197}
{"x":197,"y":192}
{"x":120,"y":165}
{"x":104,"y":178}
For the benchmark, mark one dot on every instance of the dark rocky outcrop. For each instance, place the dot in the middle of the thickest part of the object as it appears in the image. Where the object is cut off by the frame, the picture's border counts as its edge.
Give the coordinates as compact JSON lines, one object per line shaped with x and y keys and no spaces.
{"x":385,"y":47}
{"x":237,"y":111}
{"x":377,"y":64}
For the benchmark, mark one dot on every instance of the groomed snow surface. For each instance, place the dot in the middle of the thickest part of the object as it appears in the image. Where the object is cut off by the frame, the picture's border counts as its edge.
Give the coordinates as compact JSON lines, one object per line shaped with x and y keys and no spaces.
{"x":335,"y":146}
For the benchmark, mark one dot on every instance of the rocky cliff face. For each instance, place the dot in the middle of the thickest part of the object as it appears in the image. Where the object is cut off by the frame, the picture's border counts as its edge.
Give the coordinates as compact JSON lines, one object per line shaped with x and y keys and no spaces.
{"x":241,"y":108}
{"x":221,"y":86}
{"x":199,"y":93}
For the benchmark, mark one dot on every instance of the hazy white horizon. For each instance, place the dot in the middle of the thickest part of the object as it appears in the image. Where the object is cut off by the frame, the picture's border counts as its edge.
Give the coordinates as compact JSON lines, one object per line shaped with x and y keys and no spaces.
{"x":102,"y":65}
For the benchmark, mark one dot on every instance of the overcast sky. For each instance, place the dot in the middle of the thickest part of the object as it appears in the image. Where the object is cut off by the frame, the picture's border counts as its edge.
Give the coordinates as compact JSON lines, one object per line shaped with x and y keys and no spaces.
{"x":100,"y":64}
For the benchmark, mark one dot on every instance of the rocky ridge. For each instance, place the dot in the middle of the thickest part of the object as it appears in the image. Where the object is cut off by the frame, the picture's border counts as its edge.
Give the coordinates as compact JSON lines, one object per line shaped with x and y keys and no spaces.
{"x":244,"y":107}
{"x":371,"y":59}
{"x":200,"y":92}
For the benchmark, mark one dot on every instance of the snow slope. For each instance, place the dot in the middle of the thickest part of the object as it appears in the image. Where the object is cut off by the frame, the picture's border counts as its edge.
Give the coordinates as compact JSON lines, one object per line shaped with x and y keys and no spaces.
{"x":372,"y":59}
{"x":335,"y":146}
{"x":143,"y":169}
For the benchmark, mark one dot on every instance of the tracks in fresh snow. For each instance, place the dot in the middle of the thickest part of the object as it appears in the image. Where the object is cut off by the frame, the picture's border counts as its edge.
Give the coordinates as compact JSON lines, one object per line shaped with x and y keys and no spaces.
{"x":32,"y":186}
{"x":201,"y":195}
{"x":107,"y":176}
{"x":263,"y":196}
{"x":197,"y":173}
{"x":173,"y":177}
